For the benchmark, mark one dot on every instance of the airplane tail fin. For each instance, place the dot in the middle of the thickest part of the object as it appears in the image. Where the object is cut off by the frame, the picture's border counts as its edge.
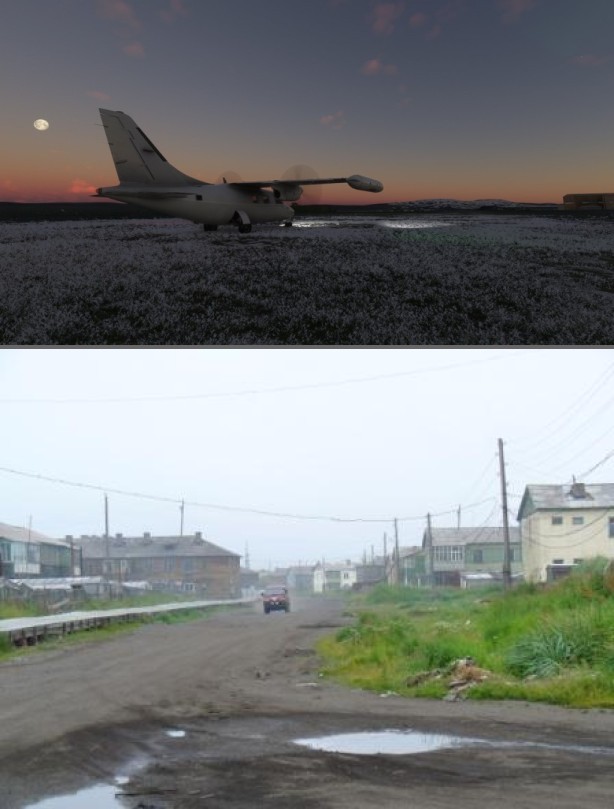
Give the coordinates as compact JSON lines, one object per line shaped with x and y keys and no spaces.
{"x":136,"y":158}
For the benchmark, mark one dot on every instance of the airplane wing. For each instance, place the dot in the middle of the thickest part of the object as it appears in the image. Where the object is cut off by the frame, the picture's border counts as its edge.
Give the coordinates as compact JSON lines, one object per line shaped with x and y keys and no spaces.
{"x":356,"y":181}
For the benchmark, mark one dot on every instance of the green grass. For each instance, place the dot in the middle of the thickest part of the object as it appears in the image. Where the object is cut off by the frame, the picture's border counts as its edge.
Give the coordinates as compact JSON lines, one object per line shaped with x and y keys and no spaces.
{"x":550,"y":644}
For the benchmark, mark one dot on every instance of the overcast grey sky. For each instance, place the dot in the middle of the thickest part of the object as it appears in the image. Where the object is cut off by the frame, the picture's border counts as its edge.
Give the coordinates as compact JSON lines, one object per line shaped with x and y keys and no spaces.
{"x":365,"y":434}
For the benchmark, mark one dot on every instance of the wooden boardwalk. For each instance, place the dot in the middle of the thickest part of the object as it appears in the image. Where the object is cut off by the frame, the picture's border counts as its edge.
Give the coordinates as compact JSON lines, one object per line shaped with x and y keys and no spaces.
{"x":29,"y":631}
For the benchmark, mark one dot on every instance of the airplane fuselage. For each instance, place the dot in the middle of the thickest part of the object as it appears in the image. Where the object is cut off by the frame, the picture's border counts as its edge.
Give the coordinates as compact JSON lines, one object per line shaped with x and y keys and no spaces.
{"x":205,"y":204}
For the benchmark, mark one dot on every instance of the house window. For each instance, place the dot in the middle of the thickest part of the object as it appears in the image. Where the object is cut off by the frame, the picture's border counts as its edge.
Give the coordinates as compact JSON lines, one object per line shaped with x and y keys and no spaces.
{"x":557,"y":520}
{"x":478,"y":557}
{"x":577,"y":520}
{"x":611,"y":527}
{"x":558,"y":561}
{"x":513,"y":555}
{"x":448,"y":553}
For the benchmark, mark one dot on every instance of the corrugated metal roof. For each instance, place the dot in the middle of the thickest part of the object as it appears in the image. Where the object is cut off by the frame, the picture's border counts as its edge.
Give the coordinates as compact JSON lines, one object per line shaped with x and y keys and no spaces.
{"x":144,"y":547}
{"x":17,"y":534}
{"x":468,"y":536}
{"x":560,"y":497}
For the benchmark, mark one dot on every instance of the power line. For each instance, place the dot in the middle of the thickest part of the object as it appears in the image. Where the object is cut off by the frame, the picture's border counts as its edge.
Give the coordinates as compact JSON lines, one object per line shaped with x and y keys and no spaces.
{"x":544,"y":437}
{"x":236,"y":509}
{"x":262,"y":391}
{"x":597,"y":465}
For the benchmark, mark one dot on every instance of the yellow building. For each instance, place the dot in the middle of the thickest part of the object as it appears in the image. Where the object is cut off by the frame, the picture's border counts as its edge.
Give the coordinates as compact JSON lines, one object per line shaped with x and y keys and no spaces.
{"x":562,"y":526}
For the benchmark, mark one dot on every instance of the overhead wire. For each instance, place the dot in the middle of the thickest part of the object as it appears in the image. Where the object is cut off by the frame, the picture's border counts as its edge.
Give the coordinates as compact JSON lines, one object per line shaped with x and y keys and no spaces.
{"x":219,"y":507}
{"x":542,"y":436}
{"x":259,"y":391}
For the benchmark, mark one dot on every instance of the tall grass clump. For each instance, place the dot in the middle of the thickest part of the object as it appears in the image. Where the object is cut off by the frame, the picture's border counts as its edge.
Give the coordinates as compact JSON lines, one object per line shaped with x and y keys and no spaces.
{"x":549,"y":643}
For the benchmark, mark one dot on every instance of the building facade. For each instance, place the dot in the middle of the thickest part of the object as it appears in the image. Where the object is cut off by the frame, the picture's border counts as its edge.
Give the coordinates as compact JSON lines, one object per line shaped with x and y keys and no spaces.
{"x":562,"y":526}
{"x":187,"y":564}
{"x":25,"y":553}
{"x":451,"y":552}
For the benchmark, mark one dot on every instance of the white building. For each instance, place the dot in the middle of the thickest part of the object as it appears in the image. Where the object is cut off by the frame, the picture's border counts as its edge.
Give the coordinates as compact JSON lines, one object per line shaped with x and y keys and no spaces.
{"x":562,"y":526}
{"x":334,"y":576}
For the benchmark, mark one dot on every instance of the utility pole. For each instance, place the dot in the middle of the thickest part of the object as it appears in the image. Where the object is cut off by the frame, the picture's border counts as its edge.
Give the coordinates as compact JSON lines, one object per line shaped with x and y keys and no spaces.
{"x":507,"y":570}
{"x":397,"y":556}
{"x":429,"y":556}
{"x":247,"y":556}
{"x":458,"y":517}
{"x":106,"y":536}
{"x":181,"y":509}
{"x":386,"y":557}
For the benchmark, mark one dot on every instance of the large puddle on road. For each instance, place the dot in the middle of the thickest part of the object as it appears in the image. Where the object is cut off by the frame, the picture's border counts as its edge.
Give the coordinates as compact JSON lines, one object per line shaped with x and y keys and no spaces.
{"x":102,"y":796}
{"x":406,"y":742}
{"x":393,"y":742}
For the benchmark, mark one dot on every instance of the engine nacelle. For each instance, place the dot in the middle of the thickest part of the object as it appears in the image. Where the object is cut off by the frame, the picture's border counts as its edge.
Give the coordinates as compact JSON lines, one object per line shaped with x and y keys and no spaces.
{"x":288,"y":192}
{"x":361,"y":183}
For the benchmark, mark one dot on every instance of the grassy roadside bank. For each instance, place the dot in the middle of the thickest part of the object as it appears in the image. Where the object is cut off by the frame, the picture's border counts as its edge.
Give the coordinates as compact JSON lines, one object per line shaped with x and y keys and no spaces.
{"x":551,"y":644}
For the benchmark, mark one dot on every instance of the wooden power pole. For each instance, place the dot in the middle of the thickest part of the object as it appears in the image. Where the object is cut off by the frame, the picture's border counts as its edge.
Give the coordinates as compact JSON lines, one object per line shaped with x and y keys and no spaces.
{"x":507,"y":569}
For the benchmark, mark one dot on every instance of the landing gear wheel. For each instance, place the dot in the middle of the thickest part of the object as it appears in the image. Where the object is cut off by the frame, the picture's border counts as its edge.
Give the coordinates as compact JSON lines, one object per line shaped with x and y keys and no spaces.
{"x":208,"y":228}
{"x":241,"y":219}
{"x":287,"y":224}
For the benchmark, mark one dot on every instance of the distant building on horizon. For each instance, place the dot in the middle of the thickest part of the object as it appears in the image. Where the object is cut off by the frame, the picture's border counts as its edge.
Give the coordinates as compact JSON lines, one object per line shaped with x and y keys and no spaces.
{"x":575,"y":202}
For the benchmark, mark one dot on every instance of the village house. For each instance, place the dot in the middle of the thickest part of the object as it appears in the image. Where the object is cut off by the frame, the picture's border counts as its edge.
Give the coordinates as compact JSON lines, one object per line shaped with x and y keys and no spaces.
{"x":564,"y":525}
{"x":453,"y":552}
{"x":334,"y":576}
{"x":25,"y":553}
{"x":186,"y":564}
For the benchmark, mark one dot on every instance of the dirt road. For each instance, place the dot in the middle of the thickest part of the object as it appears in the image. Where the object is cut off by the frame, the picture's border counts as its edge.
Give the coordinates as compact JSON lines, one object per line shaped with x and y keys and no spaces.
{"x":241,"y":687}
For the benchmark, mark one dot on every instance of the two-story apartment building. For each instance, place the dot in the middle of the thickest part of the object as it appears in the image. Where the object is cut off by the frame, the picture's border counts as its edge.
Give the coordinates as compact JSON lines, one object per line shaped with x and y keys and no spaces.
{"x":450,"y":552}
{"x":563,"y":525}
{"x":25,"y":553}
{"x":188,"y":564}
{"x":334,"y":576}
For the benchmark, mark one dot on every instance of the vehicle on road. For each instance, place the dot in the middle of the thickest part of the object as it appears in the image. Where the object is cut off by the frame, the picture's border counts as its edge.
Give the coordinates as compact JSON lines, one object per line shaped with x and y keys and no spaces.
{"x":275,"y":597}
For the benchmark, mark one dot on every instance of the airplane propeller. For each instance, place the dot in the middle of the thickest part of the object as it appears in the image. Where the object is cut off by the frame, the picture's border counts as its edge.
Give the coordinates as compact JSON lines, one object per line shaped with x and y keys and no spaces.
{"x":312,"y":194}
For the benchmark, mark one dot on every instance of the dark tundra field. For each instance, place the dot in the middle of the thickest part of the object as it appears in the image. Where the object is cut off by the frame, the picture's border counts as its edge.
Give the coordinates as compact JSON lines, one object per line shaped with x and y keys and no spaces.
{"x":418,"y":279}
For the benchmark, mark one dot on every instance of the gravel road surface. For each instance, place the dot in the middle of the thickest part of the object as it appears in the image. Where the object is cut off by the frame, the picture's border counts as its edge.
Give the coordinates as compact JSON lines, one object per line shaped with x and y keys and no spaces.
{"x":241,"y":687}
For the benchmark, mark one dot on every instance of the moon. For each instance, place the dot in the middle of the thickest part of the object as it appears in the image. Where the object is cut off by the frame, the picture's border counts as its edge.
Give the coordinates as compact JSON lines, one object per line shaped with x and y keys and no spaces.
{"x":41,"y":124}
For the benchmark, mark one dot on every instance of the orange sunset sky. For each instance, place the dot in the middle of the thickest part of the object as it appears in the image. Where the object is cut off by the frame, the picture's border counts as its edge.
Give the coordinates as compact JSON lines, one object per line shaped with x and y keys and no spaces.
{"x":468,"y":99}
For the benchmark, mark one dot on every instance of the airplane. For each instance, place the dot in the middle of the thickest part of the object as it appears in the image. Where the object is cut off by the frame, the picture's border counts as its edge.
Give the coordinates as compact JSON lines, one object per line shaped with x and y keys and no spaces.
{"x":147,"y":179}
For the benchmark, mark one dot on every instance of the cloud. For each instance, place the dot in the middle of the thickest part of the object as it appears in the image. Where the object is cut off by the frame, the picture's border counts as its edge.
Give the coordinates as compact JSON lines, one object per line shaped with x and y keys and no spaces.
{"x":384,"y":16}
{"x":120,"y":11}
{"x":512,"y":10}
{"x":335,"y":121}
{"x":98,"y":95}
{"x":375,"y":67}
{"x":176,"y":8}
{"x":81,"y":188}
{"x":134,"y":49}
{"x":417,"y":20}
{"x":433,"y":24}
{"x":591,"y":60}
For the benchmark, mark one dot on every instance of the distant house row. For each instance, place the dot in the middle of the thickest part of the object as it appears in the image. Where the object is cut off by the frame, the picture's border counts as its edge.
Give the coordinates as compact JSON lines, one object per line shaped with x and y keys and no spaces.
{"x":559,"y":528}
{"x":182,"y":564}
